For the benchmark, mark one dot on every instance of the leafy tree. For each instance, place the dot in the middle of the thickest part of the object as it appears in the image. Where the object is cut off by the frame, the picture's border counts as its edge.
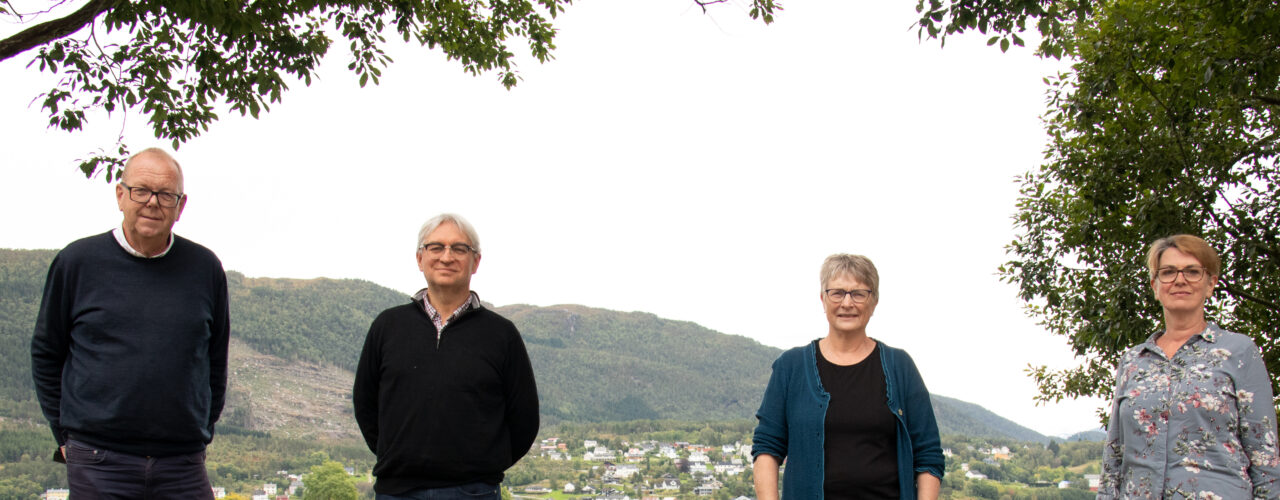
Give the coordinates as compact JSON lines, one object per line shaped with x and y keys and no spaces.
{"x":1167,"y":122}
{"x":20,"y":487}
{"x":175,"y":60}
{"x":328,"y":481}
{"x":984,"y":489}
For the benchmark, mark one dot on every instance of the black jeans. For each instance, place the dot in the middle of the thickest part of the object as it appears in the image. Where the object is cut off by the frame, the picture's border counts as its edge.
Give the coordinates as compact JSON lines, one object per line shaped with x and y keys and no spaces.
{"x":470,"y":491}
{"x":99,"y":474}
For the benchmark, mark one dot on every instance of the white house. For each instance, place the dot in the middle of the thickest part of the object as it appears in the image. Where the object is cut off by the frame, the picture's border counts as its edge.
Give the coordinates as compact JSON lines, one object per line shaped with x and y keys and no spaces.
{"x":667,"y":482}
{"x":625,"y":470}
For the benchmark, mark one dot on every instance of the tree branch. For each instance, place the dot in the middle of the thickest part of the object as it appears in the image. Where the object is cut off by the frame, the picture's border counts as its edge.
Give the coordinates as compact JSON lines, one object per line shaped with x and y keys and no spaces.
{"x":1245,"y":295}
{"x":49,"y":31}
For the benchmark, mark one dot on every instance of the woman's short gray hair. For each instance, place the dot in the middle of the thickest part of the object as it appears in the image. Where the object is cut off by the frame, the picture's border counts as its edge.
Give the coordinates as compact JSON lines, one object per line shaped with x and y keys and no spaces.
{"x":857,"y":266}
{"x":457,"y":220}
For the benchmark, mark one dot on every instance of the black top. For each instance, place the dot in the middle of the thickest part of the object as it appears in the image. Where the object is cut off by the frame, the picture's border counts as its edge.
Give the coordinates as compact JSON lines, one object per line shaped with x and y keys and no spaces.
{"x":860,"y":454}
{"x":458,"y":411}
{"x":130,"y":354}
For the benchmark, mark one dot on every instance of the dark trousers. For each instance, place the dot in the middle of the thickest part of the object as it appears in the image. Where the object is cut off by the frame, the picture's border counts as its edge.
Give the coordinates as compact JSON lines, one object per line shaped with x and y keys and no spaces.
{"x":471,"y":491}
{"x":99,"y":474}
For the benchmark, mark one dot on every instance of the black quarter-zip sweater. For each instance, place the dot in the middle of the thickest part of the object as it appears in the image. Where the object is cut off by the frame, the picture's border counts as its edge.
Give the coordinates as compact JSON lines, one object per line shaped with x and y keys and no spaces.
{"x":437,"y":414}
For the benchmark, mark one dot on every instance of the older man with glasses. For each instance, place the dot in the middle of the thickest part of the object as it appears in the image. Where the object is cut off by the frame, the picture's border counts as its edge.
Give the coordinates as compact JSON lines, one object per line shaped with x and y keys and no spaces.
{"x":129,"y":353}
{"x":444,"y":390}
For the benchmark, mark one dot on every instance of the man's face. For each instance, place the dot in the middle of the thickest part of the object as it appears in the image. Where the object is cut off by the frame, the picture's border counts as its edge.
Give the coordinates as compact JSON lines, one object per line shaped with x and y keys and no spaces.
{"x":449,"y":269}
{"x":150,"y":221}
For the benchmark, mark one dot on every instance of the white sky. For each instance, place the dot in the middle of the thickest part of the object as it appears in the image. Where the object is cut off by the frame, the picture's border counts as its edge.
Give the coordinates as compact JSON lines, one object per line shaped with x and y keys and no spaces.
{"x":698,"y":167}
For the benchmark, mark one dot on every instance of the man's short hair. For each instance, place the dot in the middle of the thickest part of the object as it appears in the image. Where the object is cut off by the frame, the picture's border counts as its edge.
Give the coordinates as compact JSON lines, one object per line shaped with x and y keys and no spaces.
{"x":158,"y":152}
{"x":857,"y":266}
{"x":1188,"y":244}
{"x":434,"y":222}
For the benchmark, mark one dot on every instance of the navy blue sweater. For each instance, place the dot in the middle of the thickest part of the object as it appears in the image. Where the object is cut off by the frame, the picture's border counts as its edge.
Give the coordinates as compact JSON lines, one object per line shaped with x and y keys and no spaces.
{"x":443,"y":414}
{"x":130,"y":354}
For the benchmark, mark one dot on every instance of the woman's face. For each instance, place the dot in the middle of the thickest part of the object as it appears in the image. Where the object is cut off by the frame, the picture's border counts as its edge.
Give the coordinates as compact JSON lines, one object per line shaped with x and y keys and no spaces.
{"x":847,"y":316}
{"x":1181,"y":295}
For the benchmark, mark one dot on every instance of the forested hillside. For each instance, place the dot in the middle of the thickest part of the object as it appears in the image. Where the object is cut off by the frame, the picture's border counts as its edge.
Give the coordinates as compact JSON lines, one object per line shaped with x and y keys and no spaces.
{"x":320,"y":320}
{"x":959,"y":417}
{"x":596,"y":365}
{"x":22,"y":274}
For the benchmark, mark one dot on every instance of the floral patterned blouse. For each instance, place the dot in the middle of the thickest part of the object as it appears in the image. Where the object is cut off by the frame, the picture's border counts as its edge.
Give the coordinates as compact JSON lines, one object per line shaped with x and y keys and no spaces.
{"x":1201,"y":425}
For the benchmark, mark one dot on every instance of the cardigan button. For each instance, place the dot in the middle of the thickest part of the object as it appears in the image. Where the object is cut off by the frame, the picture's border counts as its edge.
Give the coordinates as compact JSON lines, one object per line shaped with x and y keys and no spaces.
{"x":899,"y":412}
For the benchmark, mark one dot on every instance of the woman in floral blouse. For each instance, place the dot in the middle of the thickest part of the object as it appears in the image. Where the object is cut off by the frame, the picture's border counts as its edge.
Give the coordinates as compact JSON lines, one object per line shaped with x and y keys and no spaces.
{"x":1193,"y":414}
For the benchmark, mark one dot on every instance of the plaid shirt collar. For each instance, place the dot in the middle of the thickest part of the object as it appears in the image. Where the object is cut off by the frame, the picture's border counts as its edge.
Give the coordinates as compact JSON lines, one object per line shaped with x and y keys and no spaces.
{"x":473,"y":302}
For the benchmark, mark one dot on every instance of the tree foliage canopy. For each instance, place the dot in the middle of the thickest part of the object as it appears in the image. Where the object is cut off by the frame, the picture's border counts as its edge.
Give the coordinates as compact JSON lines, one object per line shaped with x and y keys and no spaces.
{"x":180,"y":62}
{"x":328,"y":481}
{"x":1166,"y":123}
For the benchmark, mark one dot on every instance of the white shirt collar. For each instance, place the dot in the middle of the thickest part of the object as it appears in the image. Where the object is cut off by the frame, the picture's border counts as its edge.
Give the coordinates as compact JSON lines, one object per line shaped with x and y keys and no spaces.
{"x":124,"y":243}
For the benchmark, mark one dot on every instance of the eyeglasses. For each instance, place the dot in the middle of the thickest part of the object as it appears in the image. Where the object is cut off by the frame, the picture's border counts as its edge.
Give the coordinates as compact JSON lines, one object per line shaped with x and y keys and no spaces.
{"x":143,"y":196}
{"x":1170,"y":274}
{"x":437,"y":249}
{"x":837,"y":295}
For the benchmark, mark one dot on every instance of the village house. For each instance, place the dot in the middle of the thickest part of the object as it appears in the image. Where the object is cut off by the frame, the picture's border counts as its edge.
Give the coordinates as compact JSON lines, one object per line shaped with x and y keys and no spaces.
{"x":729,"y":468}
{"x":1001,"y":453}
{"x":624,"y":471}
{"x":667,"y":483}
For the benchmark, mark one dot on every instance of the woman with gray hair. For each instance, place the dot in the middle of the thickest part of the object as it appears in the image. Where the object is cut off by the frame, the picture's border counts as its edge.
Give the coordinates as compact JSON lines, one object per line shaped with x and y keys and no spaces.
{"x":1193,"y":415}
{"x":850,"y":414}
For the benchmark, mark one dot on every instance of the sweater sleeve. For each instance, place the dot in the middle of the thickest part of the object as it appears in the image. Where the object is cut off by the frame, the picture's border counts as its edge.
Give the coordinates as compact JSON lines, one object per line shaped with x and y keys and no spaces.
{"x":521,"y":396}
{"x":364,"y":393}
{"x":770,"y":436}
{"x":219,"y":342}
{"x":921,"y":422}
{"x":50,"y":346}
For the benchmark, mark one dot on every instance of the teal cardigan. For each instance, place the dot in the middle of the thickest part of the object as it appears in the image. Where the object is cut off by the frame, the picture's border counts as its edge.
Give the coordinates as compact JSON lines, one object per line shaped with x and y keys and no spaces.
{"x":794,"y":411}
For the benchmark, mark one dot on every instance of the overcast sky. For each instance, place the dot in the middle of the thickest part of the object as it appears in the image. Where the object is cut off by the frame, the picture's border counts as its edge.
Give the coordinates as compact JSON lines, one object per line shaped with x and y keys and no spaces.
{"x":696,"y":166}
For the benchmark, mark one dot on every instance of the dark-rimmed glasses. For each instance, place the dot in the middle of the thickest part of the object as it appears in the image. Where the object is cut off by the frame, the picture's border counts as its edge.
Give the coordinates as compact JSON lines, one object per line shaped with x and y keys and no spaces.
{"x":143,"y":195}
{"x":1170,"y":274}
{"x":437,"y":249}
{"x":837,"y":295}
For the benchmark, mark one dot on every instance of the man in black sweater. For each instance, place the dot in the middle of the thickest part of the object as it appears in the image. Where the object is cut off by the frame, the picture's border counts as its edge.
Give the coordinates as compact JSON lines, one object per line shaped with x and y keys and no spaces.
{"x":444,"y":391}
{"x":129,"y":354}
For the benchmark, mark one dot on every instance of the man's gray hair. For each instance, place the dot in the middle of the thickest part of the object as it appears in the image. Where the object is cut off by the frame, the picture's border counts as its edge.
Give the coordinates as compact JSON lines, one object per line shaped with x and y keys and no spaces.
{"x":457,"y":220}
{"x":857,"y":266}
